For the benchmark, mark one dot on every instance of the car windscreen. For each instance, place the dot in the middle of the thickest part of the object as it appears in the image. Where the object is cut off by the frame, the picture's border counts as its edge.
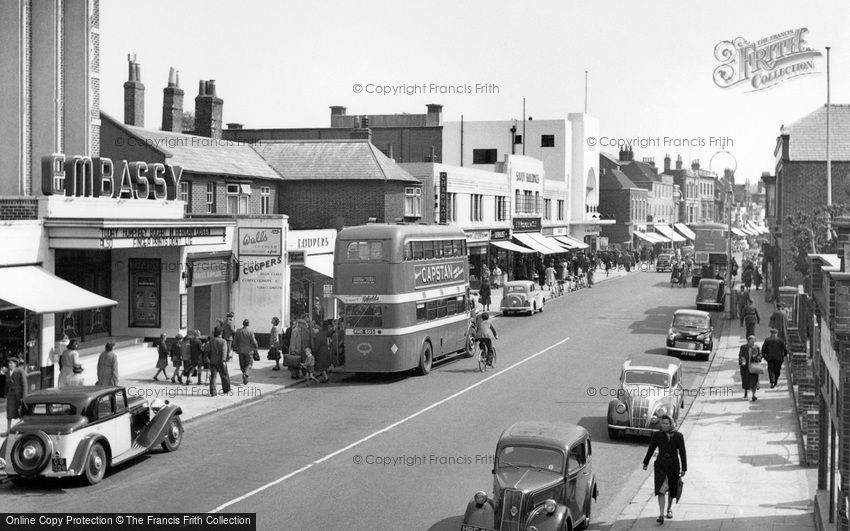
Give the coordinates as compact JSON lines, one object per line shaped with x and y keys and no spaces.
{"x":530,"y":457}
{"x":690,"y":321}
{"x":49,"y":408}
{"x":517,"y":289}
{"x":643,"y":377}
{"x":364,"y":315}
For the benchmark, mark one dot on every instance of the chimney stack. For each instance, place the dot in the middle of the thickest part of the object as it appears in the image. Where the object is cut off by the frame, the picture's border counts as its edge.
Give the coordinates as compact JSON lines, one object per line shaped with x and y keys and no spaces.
{"x":363,"y":131}
{"x":695,"y":164}
{"x":172,"y":103}
{"x":337,"y":116}
{"x":134,"y":94}
{"x":390,"y":151}
{"x":208,"y":109}
{"x":666,"y":162}
{"x":434,"y":116}
{"x":623,"y":156}
{"x":678,"y":162}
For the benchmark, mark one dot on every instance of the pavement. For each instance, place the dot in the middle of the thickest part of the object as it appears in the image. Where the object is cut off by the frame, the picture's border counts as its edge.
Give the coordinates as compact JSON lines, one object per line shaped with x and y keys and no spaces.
{"x":743,"y":457}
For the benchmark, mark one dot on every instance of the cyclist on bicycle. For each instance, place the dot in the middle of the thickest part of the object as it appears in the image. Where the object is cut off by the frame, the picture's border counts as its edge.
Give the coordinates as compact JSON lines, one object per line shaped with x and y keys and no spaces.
{"x":486,"y":334}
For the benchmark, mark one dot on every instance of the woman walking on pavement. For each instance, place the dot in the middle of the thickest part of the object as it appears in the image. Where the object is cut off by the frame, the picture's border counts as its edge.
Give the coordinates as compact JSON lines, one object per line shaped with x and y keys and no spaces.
{"x":671,"y":453}
{"x":749,"y":354}
{"x":162,"y":358}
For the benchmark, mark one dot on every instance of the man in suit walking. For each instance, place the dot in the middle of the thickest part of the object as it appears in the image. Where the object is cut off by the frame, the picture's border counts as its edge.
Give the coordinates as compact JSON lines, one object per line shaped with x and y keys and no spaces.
{"x":774,"y":351}
{"x":244,"y":343}
{"x":217,"y":352}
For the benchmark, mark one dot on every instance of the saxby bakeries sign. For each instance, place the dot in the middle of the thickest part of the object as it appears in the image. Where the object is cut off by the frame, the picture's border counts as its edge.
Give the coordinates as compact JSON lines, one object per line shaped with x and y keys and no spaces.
{"x":765,"y":63}
{"x":430,"y":275}
{"x":81,"y":176}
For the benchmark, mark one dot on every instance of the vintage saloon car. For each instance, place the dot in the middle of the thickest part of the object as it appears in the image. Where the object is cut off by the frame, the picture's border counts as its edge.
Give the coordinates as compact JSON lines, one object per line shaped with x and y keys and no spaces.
{"x":690,"y":334}
{"x":650,"y":386}
{"x":76,"y":431}
{"x":542,"y":479}
{"x":711,"y":294}
{"x":664,"y":262}
{"x":522,"y":296}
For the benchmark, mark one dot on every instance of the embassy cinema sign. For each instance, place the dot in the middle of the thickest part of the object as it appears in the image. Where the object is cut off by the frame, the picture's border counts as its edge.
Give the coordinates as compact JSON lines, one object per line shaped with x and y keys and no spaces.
{"x":81,"y":176}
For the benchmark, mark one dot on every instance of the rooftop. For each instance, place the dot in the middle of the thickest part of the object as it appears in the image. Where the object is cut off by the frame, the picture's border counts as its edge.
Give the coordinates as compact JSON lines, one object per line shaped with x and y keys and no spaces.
{"x":808,"y":134}
{"x":330,"y":160}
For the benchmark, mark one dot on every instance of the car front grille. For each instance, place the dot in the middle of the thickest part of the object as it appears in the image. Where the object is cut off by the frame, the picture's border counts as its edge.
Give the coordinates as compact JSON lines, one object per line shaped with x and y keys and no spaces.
{"x":639,"y":412}
{"x":511,"y":503}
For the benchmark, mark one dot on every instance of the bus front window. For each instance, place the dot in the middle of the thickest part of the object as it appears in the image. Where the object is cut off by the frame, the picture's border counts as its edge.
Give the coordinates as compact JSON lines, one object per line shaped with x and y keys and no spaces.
{"x":364,"y":316}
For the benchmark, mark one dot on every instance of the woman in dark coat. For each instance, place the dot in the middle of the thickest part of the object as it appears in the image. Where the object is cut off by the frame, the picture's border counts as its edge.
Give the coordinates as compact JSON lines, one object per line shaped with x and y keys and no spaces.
{"x":322,"y":353}
{"x":749,"y":353}
{"x":484,"y":294}
{"x":671,"y":453}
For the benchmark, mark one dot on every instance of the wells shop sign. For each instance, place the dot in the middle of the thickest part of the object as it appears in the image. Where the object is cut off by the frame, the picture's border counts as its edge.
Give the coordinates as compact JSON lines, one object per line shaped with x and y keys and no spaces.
{"x":428,"y":276}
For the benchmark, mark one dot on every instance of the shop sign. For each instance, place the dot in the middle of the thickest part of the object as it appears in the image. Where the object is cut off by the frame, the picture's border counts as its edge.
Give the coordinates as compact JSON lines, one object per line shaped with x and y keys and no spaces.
{"x":526,"y":224}
{"x":444,"y":197}
{"x":477,"y":236}
{"x":260,"y":241}
{"x":592,"y":230}
{"x":295,"y":257}
{"x":312,"y":241}
{"x":209,"y":271}
{"x":827,"y":352}
{"x":82,"y":176}
{"x":559,"y":231}
{"x":500,"y":234}
{"x":526,"y":177}
{"x":327,"y":290}
{"x":602,"y":243}
{"x":430,"y":275}
{"x":141,"y":237}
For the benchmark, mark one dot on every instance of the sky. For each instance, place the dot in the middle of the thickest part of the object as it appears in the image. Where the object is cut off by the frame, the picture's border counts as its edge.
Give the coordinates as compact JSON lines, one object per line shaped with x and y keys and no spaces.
{"x":650,"y":65}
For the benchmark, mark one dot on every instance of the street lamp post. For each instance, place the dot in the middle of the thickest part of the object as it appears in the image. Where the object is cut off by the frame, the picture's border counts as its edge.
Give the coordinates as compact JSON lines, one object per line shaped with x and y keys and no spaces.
{"x":729,"y":197}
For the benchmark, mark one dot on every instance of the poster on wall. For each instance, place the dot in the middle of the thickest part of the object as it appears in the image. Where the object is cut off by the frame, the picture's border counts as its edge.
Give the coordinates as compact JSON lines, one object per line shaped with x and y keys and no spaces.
{"x":145,"y":295}
{"x":184,"y":311}
{"x":260,"y":241}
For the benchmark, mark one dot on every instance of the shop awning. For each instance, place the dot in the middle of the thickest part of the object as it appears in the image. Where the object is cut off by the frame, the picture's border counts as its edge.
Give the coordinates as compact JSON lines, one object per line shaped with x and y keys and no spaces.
{"x":566,"y":243}
{"x":528,"y":241}
{"x":549,"y":242}
{"x":511,"y":246}
{"x":320,"y":263}
{"x":35,"y":289}
{"x":643,"y":236}
{"x":686,"y":231}
{"x":738,"y":232}
{"x":578,"y":244}
{"x":669,"y":233}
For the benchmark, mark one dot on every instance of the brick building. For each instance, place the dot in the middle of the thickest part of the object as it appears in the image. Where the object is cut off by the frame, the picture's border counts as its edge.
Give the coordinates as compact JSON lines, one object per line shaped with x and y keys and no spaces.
{"x":800,"y":179}
{"x":824,"y":401}
{"x":621,"y":200}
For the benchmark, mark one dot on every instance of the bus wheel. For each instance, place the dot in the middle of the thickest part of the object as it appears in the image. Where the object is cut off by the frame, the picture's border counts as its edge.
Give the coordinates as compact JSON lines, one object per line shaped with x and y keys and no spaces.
{"x":425,"y":359}
{"x":471,"y":343}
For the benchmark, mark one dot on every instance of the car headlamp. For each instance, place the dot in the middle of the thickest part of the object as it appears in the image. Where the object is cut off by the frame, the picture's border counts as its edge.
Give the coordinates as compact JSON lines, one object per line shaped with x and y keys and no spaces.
{"x":480,"y":497}
{"x":621,"y":408}
{"x":549,"y":506}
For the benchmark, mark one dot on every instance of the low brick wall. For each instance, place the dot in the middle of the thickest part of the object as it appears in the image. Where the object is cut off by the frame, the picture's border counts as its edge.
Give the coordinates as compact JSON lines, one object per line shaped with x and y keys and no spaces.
{"x":13,"y":208}
{"x":805,"y":399}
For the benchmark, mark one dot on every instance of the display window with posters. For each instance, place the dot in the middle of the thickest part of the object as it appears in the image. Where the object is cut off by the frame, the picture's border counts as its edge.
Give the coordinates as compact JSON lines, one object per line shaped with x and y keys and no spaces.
{"x":145,"y":292}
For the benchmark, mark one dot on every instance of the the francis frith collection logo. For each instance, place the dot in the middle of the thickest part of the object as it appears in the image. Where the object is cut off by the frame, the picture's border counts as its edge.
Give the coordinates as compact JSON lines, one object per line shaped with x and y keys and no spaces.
{"x":765,"y":63}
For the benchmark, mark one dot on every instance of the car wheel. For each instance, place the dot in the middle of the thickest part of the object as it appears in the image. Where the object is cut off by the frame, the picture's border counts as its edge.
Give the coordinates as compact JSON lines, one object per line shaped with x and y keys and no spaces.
{"x":542,"y":305}
{"x":95,"y":464}
{"x":31,"y":453}
{"x":613,"y":434}
{"x":174,"y":435}
{"x":586,"y":523}
{"x":425,"y":359}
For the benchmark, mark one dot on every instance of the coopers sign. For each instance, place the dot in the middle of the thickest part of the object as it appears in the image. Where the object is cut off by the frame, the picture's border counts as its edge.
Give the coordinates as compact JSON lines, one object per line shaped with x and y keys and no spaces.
{"x":81,"y":176}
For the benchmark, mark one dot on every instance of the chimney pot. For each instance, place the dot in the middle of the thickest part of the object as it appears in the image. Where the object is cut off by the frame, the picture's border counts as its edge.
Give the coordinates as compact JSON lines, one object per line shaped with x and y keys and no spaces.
{"x":211,"y":87}
{"x":172,"y":77}
{"x":138,"y":68}
{"x":131,"y":67}
{"x":337,"y":110}
{"x":202,"y":88}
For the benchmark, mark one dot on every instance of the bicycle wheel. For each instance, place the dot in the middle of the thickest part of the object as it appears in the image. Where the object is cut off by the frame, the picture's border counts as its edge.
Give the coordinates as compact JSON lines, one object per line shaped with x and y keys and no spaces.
{"x":482,"y":359}
{"x":493,"y":357}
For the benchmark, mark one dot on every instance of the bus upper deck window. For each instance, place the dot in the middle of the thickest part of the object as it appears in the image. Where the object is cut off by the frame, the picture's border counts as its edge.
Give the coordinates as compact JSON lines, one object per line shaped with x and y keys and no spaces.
{"x":408,"y":251}
{"x":448,"y":249}
{"x":417,"y":250}
{"x":428,"y":249}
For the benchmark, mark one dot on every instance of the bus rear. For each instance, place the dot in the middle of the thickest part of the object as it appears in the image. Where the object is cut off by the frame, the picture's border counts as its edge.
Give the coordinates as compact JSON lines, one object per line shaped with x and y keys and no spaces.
{"x":405,"y":302}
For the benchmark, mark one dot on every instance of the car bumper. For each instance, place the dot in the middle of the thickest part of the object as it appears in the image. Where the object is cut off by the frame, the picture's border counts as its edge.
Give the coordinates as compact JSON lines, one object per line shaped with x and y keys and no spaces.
{"x":691,"y":350}
{"x":630,"y":429}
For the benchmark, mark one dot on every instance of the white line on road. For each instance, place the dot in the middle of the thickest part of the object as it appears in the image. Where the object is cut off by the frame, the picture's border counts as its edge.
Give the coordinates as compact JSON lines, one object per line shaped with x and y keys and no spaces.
{"x":383,"y":430}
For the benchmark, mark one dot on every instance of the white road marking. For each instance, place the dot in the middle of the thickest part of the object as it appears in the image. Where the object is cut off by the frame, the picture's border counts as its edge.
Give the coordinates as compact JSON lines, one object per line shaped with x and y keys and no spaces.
{"x":383,"y":430}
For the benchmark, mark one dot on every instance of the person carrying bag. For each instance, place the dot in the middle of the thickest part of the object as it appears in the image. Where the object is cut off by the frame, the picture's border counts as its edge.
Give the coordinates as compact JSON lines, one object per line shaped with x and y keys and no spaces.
{"x":749,"y":360}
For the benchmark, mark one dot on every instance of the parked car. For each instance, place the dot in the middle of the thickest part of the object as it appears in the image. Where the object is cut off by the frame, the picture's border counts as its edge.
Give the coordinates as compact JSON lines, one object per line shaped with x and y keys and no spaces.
{"x":542,"y":479}
{"x":650,"y":386}
{"x":82,"y":431}
{"x":691,"y":334}
{"x":711,"y":294}
{"x":522,"y":296}
{"x":664,"y":262}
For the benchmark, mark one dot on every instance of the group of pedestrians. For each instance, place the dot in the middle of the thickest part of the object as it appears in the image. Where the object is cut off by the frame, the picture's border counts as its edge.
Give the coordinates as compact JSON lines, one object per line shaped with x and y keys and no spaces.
{"x":774,"y":349}
{"x":309,"y":348}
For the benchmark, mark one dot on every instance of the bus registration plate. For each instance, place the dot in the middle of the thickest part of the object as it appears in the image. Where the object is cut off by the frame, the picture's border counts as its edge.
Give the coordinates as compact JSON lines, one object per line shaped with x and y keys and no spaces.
{"x":365,"y":332}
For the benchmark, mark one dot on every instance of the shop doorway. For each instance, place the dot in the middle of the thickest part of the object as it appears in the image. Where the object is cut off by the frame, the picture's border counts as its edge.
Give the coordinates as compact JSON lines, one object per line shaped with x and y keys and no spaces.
{"x":92,"y":271}
{"x":203,"y":309}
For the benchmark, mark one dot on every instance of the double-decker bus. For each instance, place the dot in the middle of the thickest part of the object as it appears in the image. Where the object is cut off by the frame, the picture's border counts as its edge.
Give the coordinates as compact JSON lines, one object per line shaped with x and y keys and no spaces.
{"x":710,"y":248}
{"x":405,"y":294}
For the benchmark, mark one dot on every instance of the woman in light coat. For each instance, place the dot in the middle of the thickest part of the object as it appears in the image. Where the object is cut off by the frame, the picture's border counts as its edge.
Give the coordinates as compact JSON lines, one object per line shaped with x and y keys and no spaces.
{"x":70,"y":358}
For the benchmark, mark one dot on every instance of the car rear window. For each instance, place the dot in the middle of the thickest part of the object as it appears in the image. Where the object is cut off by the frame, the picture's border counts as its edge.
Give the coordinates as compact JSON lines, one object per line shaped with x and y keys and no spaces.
{"x":49,"y":408}
{"x":517,"y":289}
